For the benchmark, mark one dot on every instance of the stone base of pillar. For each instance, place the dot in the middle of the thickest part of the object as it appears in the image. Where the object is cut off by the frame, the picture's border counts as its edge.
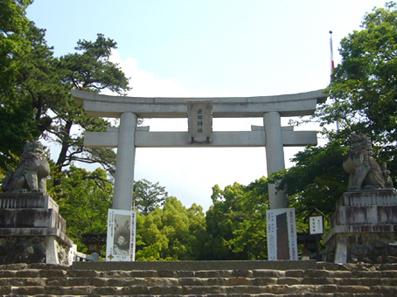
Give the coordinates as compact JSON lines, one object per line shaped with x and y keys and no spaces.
{"x":32,"y":231}
{"x":364,"y":228}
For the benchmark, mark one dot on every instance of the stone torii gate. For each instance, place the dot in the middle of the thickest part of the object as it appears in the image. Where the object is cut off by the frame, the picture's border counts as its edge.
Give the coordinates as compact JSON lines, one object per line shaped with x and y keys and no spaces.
{"x":200,"y":112}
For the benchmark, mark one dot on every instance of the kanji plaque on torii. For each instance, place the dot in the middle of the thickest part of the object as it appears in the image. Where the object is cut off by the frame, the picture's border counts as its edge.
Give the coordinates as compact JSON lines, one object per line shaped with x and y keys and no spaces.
{"x":200,"y":121}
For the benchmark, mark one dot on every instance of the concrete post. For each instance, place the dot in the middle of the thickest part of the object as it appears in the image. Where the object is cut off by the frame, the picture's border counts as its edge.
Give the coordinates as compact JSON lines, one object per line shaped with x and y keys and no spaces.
{"x":125,"y":162}
{"x":274,"y":156}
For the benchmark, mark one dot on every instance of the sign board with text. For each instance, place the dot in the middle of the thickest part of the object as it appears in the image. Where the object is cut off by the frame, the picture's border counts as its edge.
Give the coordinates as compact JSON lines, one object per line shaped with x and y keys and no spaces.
{"x":281,"y":234}
{"x":316,"y":225}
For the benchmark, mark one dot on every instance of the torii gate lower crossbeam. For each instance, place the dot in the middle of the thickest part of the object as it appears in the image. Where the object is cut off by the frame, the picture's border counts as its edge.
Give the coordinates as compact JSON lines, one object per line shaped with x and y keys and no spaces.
{"x":142,"y":137}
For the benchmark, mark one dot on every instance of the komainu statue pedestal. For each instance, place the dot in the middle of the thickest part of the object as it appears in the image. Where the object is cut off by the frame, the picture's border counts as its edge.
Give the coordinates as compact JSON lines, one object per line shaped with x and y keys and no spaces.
{"x":32,"y":231}
{"x":364,"y":227}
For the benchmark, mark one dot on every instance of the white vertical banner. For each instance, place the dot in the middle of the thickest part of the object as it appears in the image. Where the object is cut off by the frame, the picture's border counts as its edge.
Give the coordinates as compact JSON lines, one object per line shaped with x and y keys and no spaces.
{"x":281,"y":234}
{"x":120,"y":243}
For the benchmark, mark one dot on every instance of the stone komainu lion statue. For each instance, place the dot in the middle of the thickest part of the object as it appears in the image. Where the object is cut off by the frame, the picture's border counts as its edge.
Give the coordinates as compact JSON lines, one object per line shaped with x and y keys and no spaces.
{"x":31,"y":173}
{"x":364,"y":171}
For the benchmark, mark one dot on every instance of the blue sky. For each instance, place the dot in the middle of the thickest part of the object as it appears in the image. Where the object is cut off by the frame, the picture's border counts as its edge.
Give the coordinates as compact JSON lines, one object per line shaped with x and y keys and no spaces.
{"x":207,"y":48}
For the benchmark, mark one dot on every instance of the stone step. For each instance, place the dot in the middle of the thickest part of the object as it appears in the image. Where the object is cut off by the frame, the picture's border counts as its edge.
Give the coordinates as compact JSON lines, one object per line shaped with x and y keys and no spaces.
{"x":204,"y":265}
{"x":197,"y":265}
{"x":264,"y":273}
{"x":238,"y":295}
{"x":206,"y":278}
{"x":198,"y":290}
{"x":192,"y":281}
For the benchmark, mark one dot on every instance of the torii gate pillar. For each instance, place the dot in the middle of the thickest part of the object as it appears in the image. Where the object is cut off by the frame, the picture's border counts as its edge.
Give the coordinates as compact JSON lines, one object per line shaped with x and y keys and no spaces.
{"x":274,"y":156}
{"x":125,"y":162}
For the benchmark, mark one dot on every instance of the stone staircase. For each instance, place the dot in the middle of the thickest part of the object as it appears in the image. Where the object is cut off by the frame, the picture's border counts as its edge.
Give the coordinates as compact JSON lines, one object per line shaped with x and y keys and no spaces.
{"x":200,"y":278}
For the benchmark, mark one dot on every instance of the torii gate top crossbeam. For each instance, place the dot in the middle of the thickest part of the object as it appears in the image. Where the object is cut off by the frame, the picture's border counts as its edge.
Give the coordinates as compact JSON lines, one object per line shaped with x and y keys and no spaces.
{"x":298,"y":104}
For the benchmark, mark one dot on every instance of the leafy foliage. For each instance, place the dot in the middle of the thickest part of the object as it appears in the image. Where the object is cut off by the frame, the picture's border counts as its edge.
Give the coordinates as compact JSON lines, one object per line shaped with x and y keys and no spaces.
{"x":317,"y":180}
{"x":35,"y":89}
{"x":88,"y":69}
{"x":148,"y":195}
{"x":84,"y":199}
{"x":363,"y":99}
{"x":26,"y":80}
{"x":236,"y":222}
{"x":172,"y":232}
{"x":364,"y":86}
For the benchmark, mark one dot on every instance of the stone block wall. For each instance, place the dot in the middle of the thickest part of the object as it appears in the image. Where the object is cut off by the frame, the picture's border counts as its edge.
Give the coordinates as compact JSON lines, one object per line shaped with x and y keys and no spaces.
{"x":32,"y":230}
{"x":364,"y":228}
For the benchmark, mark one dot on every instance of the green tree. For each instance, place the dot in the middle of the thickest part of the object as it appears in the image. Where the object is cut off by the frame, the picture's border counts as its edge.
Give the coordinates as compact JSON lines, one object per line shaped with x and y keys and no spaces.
{"x":35,"y":89}
{"x":363,"y":87}
{"x":363,"y":99}
{"x":236,"y":222}
{"x":148,"y":195}
{"x":84,"y":198}
{"x":88,"y":69}
{"x":26,"y":80}
{"x":316,"y":180}
{"x":172,"y":232}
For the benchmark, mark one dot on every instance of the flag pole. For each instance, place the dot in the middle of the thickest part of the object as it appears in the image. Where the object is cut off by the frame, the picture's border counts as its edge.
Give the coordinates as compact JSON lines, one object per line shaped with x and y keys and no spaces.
{"x":331,"y":47}
{"x":332,"y":53}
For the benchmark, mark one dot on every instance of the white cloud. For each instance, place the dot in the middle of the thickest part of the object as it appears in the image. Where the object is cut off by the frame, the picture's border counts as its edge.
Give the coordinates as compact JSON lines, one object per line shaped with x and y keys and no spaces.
{"x":145,"y":83}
